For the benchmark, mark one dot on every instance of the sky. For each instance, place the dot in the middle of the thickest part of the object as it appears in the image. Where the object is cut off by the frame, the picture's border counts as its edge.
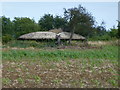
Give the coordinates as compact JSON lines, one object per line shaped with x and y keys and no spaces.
{"x":102,"y":11}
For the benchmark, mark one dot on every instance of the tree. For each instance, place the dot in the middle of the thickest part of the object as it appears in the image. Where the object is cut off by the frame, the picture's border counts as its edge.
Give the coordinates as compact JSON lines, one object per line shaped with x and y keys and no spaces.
{"x":114,"y":32}
{"x":79,"y":21}
{"x":7,"y":29}
{"x":0,"y":28}
{"x":118,"y":29}
{"x":24,"y":25}
{"x":46,"y":22}
{"x":7,"y":26}
{"x":101,"y":30}
{"x":59,"y":22}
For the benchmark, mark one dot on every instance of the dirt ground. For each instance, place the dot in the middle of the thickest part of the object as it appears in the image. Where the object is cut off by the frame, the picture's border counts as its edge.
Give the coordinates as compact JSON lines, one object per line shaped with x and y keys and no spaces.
{"x":62,"y":74}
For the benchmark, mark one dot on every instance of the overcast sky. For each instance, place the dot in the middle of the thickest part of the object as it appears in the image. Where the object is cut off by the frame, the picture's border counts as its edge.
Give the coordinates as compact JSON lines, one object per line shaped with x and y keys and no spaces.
{"x":102,"y":11}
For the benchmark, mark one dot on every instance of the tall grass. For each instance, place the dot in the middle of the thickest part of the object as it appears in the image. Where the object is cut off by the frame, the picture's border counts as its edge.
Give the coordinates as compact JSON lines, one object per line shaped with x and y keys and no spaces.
{"x":29,"y":43}
{"x":108,"y":52}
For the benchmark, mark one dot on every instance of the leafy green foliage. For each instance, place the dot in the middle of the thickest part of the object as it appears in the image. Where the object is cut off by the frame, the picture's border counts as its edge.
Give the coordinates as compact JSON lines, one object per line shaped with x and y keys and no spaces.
{"x":48,"y":22}
{"x":118,"y":29}
{"x":24,"y":25}
{"x":7,"y":29}
{"x":6,"y":38}
{"x":114,"y":33}
{"x":6,"y":81}
{"x":37,"y":78}
{"x":27,"y":44}
{"x":79,"y":20}
{"x":108,"y":52}
{"x":20,"y":80}
{"x":100,"y":38}
{"x":7,"y":26}
{"x":100,"y":30}
{"x":59,"y":22}
{"x":19,"y":26}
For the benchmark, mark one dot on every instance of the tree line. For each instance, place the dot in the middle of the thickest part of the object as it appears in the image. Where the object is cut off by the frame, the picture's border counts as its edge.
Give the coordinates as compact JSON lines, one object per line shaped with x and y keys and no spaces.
{"x":75,"y":20}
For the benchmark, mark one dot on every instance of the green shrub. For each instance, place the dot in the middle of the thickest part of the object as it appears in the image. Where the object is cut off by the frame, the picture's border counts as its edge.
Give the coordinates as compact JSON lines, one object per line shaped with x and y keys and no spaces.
{"x":6,"y":38}
{"x":30,"y":43}
{"x":114,"y":33}
{"x":100,"y":38}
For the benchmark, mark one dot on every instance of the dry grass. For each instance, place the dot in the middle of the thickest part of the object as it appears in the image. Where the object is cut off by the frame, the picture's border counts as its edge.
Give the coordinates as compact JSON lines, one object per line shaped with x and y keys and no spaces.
{"x":100,"y":43}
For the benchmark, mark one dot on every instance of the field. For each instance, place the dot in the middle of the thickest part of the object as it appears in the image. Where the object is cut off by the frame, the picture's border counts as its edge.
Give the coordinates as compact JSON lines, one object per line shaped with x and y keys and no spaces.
{"x":30,"y":65}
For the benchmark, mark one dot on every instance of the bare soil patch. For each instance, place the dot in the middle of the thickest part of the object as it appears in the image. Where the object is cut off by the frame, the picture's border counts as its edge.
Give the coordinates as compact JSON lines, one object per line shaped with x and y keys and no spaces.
{"x":60,"y":74}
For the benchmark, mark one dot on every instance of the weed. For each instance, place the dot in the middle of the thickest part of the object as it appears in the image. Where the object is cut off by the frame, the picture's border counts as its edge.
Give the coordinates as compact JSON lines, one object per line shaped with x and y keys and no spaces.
{"x":37,"y":78}
{"x":68,"y":62}
{"x":96,"y":82}
{"x":81,"y":84}
{"x":56,"y":81}
{"x":20,"y":80}
{"x":6,"y":81}
{"x":113,"y":82}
